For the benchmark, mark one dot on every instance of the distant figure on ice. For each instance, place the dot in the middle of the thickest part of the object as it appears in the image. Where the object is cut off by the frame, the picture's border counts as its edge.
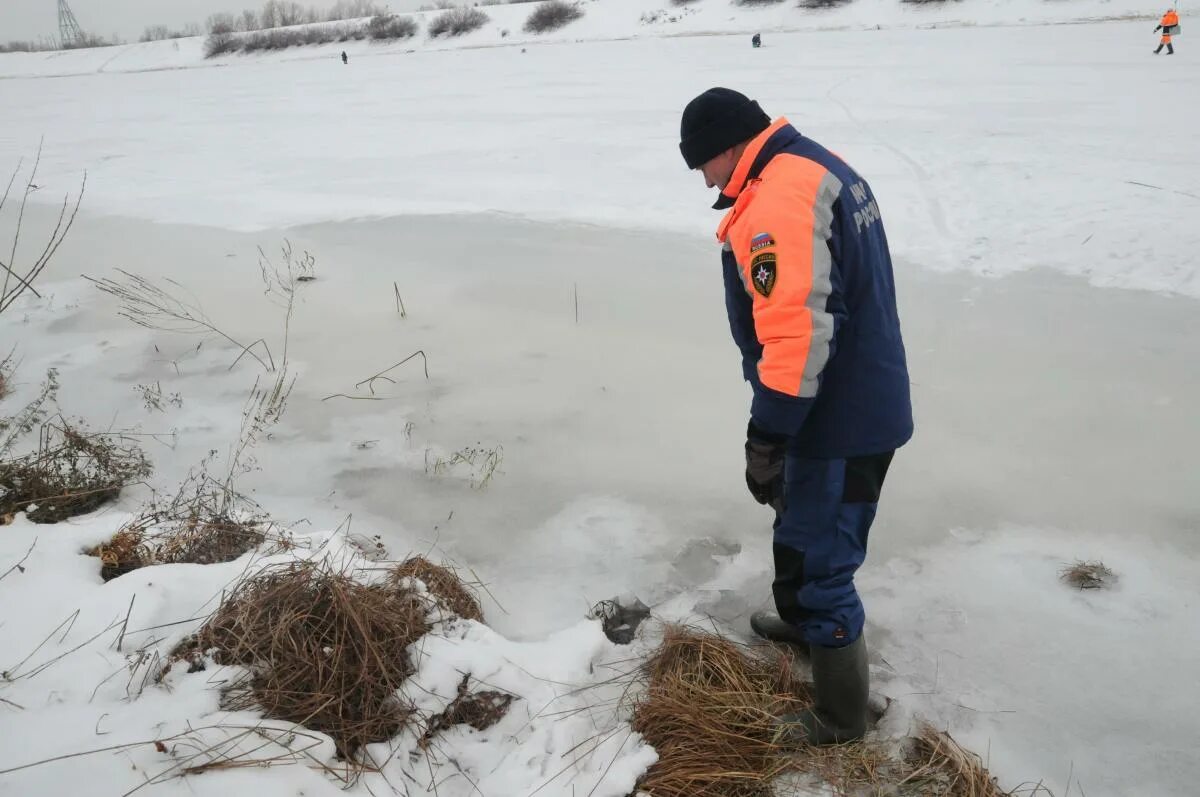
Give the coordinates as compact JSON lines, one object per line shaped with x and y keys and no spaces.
{"x":345,"y":58}
{"x":1168,"y":25}
{"x":811,"y":299}
{"x":756,"y":40}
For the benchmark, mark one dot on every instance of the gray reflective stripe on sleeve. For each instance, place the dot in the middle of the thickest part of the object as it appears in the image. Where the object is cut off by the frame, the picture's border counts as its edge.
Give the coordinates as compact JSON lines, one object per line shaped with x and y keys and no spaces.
{"x":726,"y":246}
{"x":822,"y":286}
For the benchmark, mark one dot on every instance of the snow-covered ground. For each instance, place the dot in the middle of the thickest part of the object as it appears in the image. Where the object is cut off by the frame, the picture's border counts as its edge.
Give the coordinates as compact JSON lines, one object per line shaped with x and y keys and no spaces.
{"x":1040,"y":197}
{"x":997,"y":150}
{"x":607,"y":21}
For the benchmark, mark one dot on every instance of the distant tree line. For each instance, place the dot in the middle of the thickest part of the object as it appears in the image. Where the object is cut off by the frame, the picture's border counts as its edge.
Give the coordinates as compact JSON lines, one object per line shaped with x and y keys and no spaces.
{"x":274,"y":14}
{"x":162,"y":33}
{"x":158,"y":33}
{"x":380,"y":28}
{"x":286,"y":13}
{"x":47,"y":44}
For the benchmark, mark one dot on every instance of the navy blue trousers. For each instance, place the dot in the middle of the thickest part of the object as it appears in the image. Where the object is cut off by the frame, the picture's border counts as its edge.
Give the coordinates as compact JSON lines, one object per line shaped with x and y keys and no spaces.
{"x":821,"y":540}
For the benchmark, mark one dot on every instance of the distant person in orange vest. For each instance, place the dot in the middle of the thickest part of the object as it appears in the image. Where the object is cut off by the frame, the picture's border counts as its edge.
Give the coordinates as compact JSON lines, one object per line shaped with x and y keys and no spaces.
{"x":1168,"y":25}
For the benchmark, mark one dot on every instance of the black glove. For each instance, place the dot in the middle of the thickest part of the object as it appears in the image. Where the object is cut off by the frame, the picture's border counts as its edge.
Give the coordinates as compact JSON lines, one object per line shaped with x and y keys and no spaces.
{"x":764,"y":466}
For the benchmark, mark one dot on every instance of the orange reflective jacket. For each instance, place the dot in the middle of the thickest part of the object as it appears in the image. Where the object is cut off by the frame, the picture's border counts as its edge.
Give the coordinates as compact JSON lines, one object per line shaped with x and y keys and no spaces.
{"x":811,"y":299}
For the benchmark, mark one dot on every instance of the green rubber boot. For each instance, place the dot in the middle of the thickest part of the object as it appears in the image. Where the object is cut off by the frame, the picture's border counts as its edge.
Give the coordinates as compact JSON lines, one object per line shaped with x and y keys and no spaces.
{"x":773,"y":628}
{"x":841,"y":684}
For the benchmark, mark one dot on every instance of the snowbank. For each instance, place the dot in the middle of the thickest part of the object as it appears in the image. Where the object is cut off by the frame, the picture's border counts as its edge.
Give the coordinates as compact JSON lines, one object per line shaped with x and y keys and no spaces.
{"x":92,"y":685}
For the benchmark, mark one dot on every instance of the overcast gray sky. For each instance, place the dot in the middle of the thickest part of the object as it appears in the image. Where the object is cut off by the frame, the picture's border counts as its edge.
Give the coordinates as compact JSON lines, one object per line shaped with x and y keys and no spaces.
{"x":29,"y":19}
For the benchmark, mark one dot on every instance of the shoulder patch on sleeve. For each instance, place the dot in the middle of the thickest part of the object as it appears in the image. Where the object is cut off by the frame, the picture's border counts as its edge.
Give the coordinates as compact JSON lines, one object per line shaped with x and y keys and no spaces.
{"x":761,"y":241}
{"x":763,"y":273}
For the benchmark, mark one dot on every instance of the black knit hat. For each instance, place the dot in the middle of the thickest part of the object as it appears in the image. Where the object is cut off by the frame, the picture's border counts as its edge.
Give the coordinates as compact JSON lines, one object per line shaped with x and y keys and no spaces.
{"x":716,"y":121}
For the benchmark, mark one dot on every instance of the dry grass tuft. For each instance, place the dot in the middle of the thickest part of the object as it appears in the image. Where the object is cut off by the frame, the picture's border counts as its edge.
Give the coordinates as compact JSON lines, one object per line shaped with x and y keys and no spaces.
{"x":210,"y":541}
{"x":1088,"y":575}
{"x":195,"y":541}
{"x":480,"y":710}
{"x":322,"y":650}
{"x":125,"y":552}
{"x":709,"y":709}
{"x":863,"y":767}
{"x":443,"y":583}
{"x":205,"y":522}
{"x":940,"y":766}
{"x":71,"y":473}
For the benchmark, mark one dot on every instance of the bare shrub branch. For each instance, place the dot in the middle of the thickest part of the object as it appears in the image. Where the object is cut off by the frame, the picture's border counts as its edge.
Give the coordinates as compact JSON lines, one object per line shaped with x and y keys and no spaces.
{"x":204,"y":522}
{"x":71,"y":473}
{"x":14,"y":427}
{"x":18,"y":278}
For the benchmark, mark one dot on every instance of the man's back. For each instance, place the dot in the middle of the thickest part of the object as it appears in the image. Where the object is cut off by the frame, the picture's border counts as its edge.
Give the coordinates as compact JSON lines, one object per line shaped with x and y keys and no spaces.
{"x":862,"y":405}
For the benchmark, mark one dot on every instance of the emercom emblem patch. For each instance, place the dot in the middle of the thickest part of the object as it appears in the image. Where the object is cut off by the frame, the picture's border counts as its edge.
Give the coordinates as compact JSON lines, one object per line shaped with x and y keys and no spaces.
{"x":763,"y":272}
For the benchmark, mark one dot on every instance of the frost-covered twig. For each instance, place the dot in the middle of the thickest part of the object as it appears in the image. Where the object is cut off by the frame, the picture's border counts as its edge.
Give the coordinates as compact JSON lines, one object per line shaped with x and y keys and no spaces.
{"x":264,"y":408}
{"x":36,"y":671}
{"x":7,"y":674}
{"x":225,"y":753}
{"x":21,"y":564}
{"x":354,"y":398}
{"x":370,"y":380}
{"x":153,"y":307}
{"x":161,"y":746}
{"x":483,"y":463}
{"x":14,"y":427}
{"x":9,"y":292}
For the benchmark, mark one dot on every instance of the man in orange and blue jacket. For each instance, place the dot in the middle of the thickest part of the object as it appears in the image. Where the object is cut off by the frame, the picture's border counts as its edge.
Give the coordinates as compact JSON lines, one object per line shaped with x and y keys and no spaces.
{"x":812,"y":305}
{"x":1168,"y":25}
